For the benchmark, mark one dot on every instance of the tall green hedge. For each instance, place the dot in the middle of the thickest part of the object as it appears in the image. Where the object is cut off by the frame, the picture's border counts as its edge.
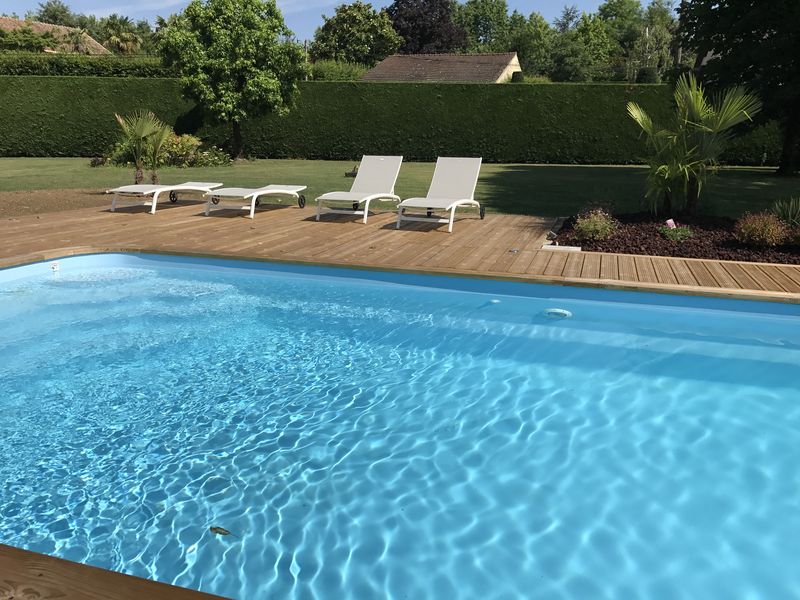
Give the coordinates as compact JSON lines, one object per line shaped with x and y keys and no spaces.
{"x":106,"y":65}
{"x":554,"y":123}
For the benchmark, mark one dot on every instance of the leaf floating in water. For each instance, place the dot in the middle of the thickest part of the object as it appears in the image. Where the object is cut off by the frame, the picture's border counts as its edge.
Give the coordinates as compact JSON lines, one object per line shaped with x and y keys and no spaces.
{"x":219,"y":530}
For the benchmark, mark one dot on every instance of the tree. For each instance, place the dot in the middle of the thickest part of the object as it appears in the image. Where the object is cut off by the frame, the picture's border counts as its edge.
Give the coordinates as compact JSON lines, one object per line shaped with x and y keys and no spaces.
{"x":486,"y":24}
{"x":653,"y":48}
{"x":27,"y":40}
{"x":119,"y":34}
{"x":567,"y":19}
{"x":355,"y":33}
{"x":532,"y":40}
{"x":594,"y":35}
{"x":685,"y":151}
{"x":235,"y":58}
{"x":153,"y":154}
{"x":54,"y":12}
{"x":624,"y":21}
{"x":753,"y":43}
{"x":426,"y":25}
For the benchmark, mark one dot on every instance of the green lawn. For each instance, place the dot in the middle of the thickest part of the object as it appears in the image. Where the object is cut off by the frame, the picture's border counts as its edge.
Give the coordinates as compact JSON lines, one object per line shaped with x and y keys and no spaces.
{"x":522,"y":189}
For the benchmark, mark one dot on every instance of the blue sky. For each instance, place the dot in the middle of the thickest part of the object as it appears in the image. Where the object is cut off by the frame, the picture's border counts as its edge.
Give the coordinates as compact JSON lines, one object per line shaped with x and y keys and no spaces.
{"x":302,"y":16}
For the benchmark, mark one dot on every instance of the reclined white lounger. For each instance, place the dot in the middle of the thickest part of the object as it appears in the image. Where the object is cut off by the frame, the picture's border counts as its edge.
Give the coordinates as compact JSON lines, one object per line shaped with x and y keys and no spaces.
{"x":254,"y":196}
{"x":139,"y":194}
{"x":374,"y":181}
{"x":453,"y":186}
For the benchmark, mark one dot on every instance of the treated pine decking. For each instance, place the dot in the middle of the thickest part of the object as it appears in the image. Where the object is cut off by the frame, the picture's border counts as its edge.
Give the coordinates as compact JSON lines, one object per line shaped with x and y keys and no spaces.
{"x":506,"y":246}
{"x":26,"y":575}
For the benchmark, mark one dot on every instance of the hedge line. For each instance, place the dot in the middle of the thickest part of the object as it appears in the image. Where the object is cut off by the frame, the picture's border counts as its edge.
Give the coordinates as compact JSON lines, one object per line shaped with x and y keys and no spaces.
{"x":107,"y":65}
{"x":554,"y":123}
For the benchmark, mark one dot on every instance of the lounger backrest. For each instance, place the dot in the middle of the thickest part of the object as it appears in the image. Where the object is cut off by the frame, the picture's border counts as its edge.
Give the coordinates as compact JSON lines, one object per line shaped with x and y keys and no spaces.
{"x":455,"y":178}
{"x":377,"y":174}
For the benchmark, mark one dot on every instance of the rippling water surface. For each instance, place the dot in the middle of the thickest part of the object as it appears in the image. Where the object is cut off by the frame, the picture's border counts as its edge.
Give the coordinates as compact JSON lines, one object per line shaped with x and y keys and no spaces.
{"x":362,"y":439}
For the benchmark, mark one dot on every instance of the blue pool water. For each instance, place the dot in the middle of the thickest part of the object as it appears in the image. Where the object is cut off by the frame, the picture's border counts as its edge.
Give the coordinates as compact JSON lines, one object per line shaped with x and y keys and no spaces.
{"x":378,"y":435}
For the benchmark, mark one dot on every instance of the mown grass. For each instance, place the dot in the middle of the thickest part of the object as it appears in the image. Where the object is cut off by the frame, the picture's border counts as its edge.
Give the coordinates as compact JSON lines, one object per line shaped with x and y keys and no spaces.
{"x":543,"y":190}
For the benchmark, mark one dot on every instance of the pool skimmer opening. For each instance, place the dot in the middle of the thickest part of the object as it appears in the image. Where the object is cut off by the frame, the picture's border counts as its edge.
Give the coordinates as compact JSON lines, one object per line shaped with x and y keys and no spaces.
{"x":557,"y":313}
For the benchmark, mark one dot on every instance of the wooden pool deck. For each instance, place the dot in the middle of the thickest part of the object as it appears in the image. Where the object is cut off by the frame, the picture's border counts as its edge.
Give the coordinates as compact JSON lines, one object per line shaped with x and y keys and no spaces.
{"x":501,"y":246}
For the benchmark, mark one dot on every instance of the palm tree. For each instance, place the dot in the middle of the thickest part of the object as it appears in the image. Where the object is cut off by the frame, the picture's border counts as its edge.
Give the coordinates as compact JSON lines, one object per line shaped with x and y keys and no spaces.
{"x":137,"y":129}
{"x":119,"y":35}
{"x":154,"y":145}
{"x":686,"y":151}
{"x":76,"y":40}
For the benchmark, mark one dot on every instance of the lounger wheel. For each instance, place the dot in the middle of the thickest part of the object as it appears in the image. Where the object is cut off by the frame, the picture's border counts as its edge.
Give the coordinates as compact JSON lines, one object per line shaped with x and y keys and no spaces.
{"x":355,"y":205}
{"x":214,"y":200}
{"x":482,"y":211}
{"x":258,"y":201}
{"x":173,"y":196}
{"x":429,"y":213}
{"x":301,"y":201}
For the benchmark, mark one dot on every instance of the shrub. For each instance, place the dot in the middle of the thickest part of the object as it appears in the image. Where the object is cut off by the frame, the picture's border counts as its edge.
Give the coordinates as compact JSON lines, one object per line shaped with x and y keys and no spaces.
{"x":595,"y":224}
{"x":761,"y":229}
{"x":335,"y":70}
{"x":788,"y":211}
{"x":177,"y":151}
{"x":676,"y":234}
{"x":106,"y":65}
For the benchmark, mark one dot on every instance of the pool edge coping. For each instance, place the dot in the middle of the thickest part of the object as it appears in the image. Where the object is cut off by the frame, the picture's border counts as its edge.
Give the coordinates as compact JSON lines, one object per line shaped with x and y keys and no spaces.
{"x":582,"y":282}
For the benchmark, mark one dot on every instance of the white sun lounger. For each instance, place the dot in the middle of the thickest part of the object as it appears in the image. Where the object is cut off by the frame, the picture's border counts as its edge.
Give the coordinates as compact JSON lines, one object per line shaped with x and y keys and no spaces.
{"x":253,"y":197}
{"x":148,"y":195}
{"x":374,"y":181}
{"x":452,"y":187}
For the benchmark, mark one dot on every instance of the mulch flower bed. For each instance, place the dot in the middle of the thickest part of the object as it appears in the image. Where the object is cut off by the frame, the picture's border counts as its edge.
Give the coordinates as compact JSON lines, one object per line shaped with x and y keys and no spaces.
{"x":713,"y":238}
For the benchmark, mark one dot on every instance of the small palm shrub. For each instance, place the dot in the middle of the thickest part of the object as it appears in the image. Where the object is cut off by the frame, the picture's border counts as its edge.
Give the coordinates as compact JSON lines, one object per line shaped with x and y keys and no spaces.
{"x":595,"y":225}
{"x":176,"y":151}
{"x":788,"y":211}
{"x":676,"y":234}
{"x":761,"y":229}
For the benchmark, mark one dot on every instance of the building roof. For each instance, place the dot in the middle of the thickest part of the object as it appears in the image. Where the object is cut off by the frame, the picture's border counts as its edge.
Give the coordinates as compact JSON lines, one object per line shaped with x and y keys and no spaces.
{"x":91,"y":45}
{"x":476,"y":68}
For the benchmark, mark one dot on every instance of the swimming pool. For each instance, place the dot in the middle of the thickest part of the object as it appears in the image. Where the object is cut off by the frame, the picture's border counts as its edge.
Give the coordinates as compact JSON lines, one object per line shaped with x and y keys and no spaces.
{"x":368,"y":434}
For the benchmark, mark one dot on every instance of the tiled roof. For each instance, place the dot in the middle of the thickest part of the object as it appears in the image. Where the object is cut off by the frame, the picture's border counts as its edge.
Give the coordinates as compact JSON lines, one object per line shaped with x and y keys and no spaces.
{"x":91,"y":45}
{"x":478,"y":68}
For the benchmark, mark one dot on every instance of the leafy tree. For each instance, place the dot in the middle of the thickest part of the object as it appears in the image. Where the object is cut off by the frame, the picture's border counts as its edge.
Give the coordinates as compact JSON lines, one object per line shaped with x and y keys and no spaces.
{"x":426,"y":25}
{"x":753,"y":43}
{"x":54,"y":12}
{"x":592,"y":32}
{"x":356,"y":33}
{"x":532,"y":39}
{"x":653,"y":48}
{"x":27,"y":40}
{"x":685,"y":151}
{"x":567,"y":19}
{"x":235,"y":58}
{"x":624,"y":21}
{"x":571,"y":60}
{"x":486,"y":24}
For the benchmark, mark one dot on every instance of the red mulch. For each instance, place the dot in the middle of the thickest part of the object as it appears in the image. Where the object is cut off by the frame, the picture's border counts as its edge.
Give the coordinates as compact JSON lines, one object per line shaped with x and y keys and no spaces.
{"x":713,"y":238}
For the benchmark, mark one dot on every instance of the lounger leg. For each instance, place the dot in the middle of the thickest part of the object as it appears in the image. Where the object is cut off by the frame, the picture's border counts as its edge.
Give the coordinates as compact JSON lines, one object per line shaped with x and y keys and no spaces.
{"x":252,"y":207}
{"x":319,"y":208}
{"x":452,"y":216}
{"x":114,"y":203}
{"x":399,"y":216}
{"x":155,"y":201}
{"x":366,"y":211}
{"x":208,"y":206}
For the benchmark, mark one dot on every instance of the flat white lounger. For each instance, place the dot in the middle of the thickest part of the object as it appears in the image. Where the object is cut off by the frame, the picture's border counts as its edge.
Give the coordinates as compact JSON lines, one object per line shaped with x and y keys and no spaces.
{"x":254,"y":196}
{"x":453,"y":186}
{"x":374,"y":181}
{"x":148,"y":195}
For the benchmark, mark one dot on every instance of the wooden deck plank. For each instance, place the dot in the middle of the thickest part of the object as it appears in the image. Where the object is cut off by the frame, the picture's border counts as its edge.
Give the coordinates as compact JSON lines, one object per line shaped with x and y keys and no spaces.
{"x":609,"y":266}
{"x":26,"y":574}
{"x":289,"y":233}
